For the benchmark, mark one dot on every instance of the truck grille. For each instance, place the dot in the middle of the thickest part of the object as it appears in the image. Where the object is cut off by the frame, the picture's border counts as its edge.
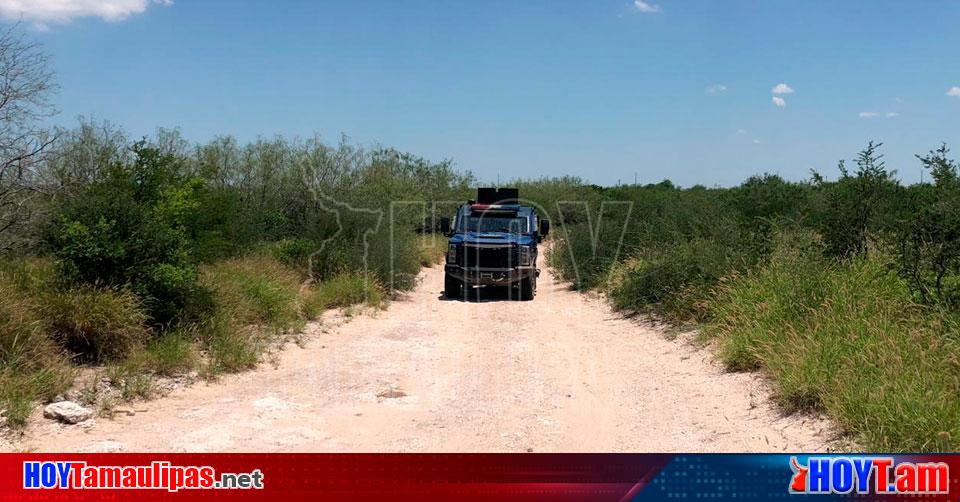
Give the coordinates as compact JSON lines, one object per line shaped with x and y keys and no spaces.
{"x":490,"y":257}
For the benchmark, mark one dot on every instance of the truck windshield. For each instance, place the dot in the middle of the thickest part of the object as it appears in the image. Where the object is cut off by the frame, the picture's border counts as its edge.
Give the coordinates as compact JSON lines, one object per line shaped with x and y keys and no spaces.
{"x":493,"y":224}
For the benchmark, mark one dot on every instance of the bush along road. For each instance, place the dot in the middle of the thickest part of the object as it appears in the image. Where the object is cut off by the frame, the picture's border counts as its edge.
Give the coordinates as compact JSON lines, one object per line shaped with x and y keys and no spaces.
{"x":561,"y":373}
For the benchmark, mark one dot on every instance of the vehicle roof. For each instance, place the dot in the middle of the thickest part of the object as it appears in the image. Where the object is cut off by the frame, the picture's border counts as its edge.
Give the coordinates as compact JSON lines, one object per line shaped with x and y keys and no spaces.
{"x":521,"y":210}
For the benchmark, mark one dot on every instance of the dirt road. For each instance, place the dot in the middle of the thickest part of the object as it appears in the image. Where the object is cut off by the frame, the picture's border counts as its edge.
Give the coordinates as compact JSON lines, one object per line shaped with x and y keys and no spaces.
{"x":561,"y":373}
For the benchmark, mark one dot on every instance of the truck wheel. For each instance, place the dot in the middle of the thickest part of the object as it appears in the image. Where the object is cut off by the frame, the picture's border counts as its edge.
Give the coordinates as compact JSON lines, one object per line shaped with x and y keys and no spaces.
{"x":452,"y":287}
{"x":527,"y":288}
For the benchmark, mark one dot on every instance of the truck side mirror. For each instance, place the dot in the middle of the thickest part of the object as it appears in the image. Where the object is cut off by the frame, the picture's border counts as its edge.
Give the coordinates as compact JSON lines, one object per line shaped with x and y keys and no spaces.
{"x":544,"y":228}
{"x":445,"y":225}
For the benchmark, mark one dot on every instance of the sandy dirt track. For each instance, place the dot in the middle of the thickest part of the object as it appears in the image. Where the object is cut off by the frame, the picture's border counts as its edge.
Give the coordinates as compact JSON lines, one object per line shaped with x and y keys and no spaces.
{"x":560,"y":373}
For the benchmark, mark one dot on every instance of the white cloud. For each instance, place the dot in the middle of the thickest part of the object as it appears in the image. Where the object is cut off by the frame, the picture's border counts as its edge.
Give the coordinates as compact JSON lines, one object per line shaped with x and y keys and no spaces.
{"x":782,"y":88}
{"x":780,"y":102}
{"x":716,"y":89}
{"x":870,"y":115}
{"x":756,"y":141}
{"x":43,"y":12}
{"x":645,"y":7}
{"x":954,"y":92}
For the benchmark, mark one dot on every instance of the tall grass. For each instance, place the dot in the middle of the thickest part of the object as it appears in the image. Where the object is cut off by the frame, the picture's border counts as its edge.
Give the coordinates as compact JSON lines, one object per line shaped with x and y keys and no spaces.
{"x":32,"y":366}
{"x":342,"y":291}
{"x":253,"y":300}
{"x":674,"y":280}
{"x":96,"y":324}
{"x":45,"y":325}
{"x":846,"y":338}
{"x":249,"y":303}
{"x":255,"y":290}
{"x":431,"y":249}
{"x":257,"y":298}
{"x":172,"y":354}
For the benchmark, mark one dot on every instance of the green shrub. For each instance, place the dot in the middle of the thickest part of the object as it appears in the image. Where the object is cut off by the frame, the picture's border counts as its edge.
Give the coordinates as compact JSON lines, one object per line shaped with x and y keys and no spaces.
{"x":577,"y":260}
{"x":770,"y":198}
{"x":358,"y":252}
{"x":546,"y":192}
{"x":846,"y":338}
{"x":294,"y":253}
{"x":860,"y":207}
{"x":675,"y":280}
{"x":676,"y":246}
{"x":929,"y":250}
{"x":128,"y":230}
{"x":645,"y":223}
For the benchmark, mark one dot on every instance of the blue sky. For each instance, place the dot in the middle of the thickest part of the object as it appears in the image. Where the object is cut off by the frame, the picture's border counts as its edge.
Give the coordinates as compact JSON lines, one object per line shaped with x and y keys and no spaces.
{"x":603,"y":89}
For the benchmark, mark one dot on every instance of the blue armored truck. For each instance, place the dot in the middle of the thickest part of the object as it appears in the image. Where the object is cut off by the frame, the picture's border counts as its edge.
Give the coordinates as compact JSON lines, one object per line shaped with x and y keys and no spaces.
{"x":493,"y":242}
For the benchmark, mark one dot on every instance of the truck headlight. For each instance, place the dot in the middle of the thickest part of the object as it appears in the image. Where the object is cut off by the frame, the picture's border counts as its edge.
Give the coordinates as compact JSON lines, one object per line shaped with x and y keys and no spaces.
{"x":452,"y":253}
{"x":526,"y":255}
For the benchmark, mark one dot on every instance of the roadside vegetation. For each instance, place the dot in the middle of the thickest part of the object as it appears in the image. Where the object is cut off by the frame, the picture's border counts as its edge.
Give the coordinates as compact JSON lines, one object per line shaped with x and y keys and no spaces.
{"x":845,"y":291}
{"x":138,"y":258}
{"x":156,"y":257}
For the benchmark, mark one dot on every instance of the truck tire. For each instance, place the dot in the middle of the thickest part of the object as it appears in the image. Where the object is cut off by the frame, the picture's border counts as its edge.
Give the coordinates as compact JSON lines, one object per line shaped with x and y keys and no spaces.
{"x":452,"y":287}
{"x":528,"y":287}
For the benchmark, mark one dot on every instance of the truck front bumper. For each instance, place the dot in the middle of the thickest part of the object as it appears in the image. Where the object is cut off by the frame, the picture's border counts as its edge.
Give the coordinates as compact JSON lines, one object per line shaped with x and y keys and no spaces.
{"x":491,"y":276}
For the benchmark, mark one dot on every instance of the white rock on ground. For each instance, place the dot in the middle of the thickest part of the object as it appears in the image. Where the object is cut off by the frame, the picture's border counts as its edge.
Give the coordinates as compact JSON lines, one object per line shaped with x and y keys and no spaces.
{"x":67,"y":412}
